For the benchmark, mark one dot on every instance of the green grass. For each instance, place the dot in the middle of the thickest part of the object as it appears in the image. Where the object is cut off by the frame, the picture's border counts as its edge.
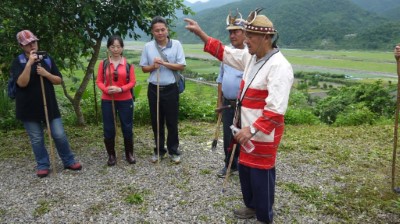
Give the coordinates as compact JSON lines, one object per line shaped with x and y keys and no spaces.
{"x":359,"y":159}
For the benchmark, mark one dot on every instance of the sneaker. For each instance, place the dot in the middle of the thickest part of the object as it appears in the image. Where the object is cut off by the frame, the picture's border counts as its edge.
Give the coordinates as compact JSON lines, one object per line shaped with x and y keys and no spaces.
{"x":222,"y":173}
{"x":42,"y":173}
{"x":154,"y":158}
{"x":244,"y":213}
{"x":175,"y":158}
{"x":75,"y":166}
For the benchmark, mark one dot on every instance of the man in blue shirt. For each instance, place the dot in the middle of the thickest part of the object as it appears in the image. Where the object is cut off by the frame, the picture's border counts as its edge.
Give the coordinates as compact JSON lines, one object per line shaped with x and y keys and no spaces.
{"x":228,"y":89}
{"x":161,"y":58}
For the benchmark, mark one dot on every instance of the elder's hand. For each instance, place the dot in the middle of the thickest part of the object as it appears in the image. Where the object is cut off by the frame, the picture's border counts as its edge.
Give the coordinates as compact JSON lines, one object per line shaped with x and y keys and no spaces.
{"x":192,"y":26}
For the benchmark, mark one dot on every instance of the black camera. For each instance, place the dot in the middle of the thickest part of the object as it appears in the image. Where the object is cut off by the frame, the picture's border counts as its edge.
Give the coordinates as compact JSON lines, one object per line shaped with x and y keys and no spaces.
{"x":40,"y":55}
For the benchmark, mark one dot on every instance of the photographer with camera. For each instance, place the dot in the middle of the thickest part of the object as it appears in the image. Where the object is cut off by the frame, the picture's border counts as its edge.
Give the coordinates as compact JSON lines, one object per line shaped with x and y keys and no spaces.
{"x":27,"y":69}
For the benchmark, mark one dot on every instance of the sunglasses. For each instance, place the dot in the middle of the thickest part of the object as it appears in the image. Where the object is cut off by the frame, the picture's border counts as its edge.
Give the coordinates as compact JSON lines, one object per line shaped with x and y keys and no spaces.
{"x":115,"y":77}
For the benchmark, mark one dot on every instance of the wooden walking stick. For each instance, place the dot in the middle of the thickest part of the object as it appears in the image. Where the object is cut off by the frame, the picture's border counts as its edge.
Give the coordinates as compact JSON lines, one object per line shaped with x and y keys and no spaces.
{"x":52,"y":155}
{"x":216,"y":134}
{"x":95,"y":98}
{"x":158,"y":116}
{"x":396,"y":120}
{"x":228,"y":170}
{"x":113,"y":104}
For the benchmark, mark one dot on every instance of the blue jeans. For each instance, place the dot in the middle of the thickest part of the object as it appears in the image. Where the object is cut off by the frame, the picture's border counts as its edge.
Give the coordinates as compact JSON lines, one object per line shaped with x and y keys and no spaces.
{"x":124,"y":109}
{"x":36,"y":135}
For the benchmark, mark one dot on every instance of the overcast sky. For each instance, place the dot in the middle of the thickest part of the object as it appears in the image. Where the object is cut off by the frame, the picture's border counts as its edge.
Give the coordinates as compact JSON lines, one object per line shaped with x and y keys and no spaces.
{"x":193,"y":1}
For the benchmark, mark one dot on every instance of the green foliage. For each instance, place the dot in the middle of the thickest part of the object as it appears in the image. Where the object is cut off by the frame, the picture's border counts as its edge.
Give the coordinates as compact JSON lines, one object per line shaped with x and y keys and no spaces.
{"x":142,"y":112}
{"x":70,"y":30}
{"x":353,"y":115}
{"x":375,"y":97}
{"x":298,"y":116}
{"x":190,"y":108}
{"x":299,"y":111}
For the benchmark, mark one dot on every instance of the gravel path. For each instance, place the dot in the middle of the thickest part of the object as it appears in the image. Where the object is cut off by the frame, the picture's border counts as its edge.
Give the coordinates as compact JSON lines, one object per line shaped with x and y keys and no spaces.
{"x":148,"y":193}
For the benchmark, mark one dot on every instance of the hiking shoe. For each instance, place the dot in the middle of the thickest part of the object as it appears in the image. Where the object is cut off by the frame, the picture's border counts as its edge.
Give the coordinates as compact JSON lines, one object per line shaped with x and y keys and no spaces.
{"x":244,"y":213}
{"x":42,"y":173}
{"x":75,"y":166}
{"x":154,"y":158}
{"x":175,"y":158}
{"x":222,"y":172}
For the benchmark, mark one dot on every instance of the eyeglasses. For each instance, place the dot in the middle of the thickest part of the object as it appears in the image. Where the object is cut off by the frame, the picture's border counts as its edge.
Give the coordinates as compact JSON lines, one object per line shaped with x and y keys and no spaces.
{"x":115,"y":73}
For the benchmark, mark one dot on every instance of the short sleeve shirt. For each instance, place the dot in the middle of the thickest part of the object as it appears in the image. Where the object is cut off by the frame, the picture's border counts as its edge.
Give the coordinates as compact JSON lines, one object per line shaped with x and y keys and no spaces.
{"x":173,"y":52}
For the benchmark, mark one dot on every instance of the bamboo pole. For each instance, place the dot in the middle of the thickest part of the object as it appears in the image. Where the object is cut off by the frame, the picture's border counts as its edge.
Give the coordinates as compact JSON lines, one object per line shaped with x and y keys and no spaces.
{"x":52,"y":155}
{"x":396,"y":120}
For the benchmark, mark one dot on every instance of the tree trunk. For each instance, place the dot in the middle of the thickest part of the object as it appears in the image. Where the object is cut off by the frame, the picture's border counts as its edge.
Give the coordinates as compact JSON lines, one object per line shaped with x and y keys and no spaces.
{"x":76,"y":100}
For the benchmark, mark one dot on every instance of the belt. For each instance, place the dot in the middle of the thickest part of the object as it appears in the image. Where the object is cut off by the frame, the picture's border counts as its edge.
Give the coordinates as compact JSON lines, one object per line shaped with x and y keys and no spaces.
{"x":162,"y":87}
{"x":231,"y":102}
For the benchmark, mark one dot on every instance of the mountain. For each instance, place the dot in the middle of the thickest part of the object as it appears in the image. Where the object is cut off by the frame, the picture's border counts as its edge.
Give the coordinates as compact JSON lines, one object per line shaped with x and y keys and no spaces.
{"x":385,"y":8}
{"x":322,"y":24}
{"x":199,"y":6}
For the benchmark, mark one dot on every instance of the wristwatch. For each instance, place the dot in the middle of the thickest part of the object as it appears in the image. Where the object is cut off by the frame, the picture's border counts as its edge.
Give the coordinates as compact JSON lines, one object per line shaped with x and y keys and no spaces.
{"x":253,"y":130}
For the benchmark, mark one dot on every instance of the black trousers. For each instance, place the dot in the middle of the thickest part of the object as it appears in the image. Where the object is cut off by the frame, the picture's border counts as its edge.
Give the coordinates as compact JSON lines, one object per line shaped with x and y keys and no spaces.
{"x":168,"y":116}
{"x":227,"y":118}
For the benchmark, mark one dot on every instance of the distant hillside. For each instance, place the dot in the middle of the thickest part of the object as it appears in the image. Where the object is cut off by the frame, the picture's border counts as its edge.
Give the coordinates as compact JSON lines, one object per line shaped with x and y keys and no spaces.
{"x":322,"y":24}
{"x":199,"y":6}
{"x":384,"y":8}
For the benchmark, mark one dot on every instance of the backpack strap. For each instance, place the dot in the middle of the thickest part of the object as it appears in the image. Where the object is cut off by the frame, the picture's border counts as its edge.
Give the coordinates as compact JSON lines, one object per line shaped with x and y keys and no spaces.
{"x":105,"y":65}
{"x":22,"y":60}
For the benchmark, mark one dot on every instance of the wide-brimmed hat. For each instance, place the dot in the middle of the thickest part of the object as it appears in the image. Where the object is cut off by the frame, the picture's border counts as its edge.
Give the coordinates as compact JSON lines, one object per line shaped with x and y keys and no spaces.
{"x":259,"y":23}
{"x":25,"y":37}
{"x":235,"y":22}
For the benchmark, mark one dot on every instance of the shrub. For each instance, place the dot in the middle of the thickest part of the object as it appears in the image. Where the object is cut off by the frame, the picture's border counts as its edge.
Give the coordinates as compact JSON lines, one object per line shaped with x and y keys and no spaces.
{"x":355,"y":115}
{"x":297,"y":116}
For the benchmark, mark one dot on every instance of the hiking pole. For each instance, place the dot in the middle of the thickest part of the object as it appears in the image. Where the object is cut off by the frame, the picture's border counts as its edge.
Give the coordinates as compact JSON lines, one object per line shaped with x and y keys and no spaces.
{"x":216,"y":133}
{"x":112,"y":104}
{"x":95,"y":98}
{"x":228,"y":170}
{"x":158,"y":116}
{"x":52,"y":156}
{"x":396,"y":121}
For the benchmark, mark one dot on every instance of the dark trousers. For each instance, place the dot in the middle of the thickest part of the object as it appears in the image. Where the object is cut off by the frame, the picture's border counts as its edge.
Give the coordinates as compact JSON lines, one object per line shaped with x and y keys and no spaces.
{"x":168,"y":115}
{"x":227,"y":119}
{"x":258,"y":190}
{"x":124,"y":110}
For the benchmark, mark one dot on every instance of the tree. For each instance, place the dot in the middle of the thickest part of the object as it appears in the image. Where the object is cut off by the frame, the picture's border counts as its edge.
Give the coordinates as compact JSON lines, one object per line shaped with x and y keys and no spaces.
{"x":73,"y":29}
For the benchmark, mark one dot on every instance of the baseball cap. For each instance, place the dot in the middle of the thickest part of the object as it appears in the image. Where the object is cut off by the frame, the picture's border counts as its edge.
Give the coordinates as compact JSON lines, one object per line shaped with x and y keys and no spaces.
{"x":25,"y":37}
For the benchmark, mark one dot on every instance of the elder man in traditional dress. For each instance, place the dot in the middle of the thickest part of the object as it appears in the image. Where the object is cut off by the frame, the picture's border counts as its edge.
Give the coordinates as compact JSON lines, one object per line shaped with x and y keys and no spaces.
{"x":263,"y":100}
